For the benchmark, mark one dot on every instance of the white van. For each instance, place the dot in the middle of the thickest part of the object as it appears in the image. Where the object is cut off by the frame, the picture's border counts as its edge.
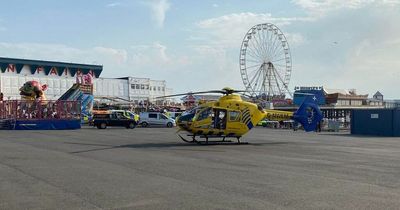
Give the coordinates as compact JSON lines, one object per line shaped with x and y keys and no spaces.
{"x":156,"y":118}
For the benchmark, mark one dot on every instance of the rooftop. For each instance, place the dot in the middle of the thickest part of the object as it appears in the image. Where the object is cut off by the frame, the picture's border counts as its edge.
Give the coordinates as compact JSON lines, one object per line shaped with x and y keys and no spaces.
{"x":73,"y":67}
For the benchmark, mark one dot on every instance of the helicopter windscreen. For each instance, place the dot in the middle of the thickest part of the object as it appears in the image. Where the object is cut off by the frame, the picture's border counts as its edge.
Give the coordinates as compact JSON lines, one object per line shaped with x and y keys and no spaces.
{"x":188,"y":115}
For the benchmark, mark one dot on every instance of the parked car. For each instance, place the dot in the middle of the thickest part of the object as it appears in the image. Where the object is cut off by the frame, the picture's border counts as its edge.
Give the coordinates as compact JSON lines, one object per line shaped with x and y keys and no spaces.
{"x":156,"y":118}
{"x":101,"y":121}
{"x":128,"y":114}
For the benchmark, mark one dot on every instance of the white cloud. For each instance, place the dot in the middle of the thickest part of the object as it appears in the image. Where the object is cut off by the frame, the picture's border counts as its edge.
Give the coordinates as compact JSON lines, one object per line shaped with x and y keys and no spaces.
{"x":229,"y":30}
{"x":152,"y":60}
{"x":110,"y":57}
{"x":348,"y":49}
{"x":114,"y":4}
{"x":154,"y":55}
{"x":321,"y":8}
{"x":151,"y":55}
{"x":218,"y":40}
{"x":248,"y":18}
{"x":159,"y":9}
{"x":295,"y":39}
{"x":119,"y":56}
{"x":373,"y":65}
{"x":344,"y":49}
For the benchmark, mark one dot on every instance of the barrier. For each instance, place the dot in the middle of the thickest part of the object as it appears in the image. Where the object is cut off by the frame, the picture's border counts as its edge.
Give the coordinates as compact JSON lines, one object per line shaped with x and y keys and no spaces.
{"x":41,"y":115}
{"x":39,"y":110}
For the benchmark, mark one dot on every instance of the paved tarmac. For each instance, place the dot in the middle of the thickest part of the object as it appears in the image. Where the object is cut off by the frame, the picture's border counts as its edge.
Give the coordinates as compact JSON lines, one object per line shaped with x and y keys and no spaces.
{"x":150,"y":168}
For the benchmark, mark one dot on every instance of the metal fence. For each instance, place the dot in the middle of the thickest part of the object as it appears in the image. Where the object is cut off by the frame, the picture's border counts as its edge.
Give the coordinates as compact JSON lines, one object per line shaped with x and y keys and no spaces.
{"x":40,"y":110}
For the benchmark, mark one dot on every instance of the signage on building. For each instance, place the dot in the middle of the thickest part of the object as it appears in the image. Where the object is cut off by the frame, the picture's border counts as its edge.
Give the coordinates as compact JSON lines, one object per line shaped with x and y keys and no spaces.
{"x":18,"y":66}
{"x":374,"y":116}
{"x":308,"y":88}
{"x":47,"y":70}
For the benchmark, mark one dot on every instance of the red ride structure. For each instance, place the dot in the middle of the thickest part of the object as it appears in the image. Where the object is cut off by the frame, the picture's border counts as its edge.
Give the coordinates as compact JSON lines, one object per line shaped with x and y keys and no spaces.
{"x":36,"y":113}
{"x":43,"y":115}
{"x":52,"y":110}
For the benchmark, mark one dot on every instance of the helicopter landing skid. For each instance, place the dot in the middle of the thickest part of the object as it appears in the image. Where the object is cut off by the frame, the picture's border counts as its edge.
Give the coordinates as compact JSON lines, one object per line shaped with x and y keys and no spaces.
{"x":208,"y":142}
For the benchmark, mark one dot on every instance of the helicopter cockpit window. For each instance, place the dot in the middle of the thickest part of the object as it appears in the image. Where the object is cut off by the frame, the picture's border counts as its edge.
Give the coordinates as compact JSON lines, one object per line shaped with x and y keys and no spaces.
{"x":204,"y":114}
{"x":234,"y":116}
{"x":192,"y":111}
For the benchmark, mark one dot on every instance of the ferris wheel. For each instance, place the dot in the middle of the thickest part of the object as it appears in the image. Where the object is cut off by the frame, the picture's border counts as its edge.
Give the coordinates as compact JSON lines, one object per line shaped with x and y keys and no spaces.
{"x":265,"y":62}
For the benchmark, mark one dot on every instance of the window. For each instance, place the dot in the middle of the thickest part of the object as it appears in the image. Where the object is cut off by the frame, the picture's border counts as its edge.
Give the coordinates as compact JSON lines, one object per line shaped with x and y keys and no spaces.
{"x":163,"y":89}
{"x":204,"y":114}
{"x":154,"y":116}
{"x":234,"y":116}
{"x":163,"y":117}
{"x":137,"y":87}
{"x":159,"y":88}
{"x":101,"y":116}
{"x":147,"y":87}
{"x":133,"y":86}
{"x":119,"y":115}
{"x":142,"y":86}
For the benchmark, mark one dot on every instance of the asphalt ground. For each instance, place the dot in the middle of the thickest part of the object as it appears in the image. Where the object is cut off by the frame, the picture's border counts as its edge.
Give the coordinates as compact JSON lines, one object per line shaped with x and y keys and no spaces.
{"x":150,"y":168}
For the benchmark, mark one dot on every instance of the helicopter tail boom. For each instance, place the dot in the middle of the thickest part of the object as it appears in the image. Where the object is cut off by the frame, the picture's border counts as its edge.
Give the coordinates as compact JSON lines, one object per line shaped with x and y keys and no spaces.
{"x":308,"y":114}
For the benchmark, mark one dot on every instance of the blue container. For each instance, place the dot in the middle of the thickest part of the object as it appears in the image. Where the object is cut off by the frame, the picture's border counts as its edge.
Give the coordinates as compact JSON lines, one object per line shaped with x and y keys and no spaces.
{"x":377,"y":122}
{"x":396,"y":122}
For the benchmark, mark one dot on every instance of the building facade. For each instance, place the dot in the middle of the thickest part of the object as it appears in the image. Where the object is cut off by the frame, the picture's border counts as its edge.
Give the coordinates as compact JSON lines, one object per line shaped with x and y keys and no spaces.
{"x":333,"y":97}
{"x":60,"y":76}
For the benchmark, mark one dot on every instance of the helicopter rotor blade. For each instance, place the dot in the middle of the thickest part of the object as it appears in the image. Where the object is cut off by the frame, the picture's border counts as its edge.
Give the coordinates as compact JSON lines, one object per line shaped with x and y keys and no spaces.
{"x":240,"y":91}
{"x":226,"y":91}
{"x":193,"y":93}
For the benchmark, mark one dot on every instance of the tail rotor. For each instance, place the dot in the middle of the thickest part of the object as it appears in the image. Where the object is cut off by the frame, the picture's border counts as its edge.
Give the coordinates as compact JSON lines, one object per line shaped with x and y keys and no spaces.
{"x":308,"y":114}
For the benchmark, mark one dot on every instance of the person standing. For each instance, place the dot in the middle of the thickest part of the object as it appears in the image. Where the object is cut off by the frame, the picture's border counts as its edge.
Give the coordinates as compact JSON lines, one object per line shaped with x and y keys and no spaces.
{"x":2,"y":106}
{"x":319,"y":126}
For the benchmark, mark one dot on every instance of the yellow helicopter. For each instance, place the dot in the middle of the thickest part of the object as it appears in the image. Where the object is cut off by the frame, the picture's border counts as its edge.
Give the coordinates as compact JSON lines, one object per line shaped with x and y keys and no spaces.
{"x":232,"y":117}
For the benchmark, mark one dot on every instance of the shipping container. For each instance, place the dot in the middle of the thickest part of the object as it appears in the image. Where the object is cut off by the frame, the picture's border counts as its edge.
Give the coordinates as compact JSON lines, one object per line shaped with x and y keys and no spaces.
{"x":377,"y":122}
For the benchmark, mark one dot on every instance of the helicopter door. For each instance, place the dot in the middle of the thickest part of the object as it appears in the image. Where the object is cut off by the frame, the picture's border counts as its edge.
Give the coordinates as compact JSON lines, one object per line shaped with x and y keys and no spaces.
{"x":220,"y":117}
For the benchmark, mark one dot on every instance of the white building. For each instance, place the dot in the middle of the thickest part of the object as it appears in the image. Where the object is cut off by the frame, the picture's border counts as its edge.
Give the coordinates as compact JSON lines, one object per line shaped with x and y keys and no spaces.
{"x":132,"y":89}
{"x":61,"y":76}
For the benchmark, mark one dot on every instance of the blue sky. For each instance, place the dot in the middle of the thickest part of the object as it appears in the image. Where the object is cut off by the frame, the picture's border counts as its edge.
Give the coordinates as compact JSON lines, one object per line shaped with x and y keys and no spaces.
{"x":194,"y":45}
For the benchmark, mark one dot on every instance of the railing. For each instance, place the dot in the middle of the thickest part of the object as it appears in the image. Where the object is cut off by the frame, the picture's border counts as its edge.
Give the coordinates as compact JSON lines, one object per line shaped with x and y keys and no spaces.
{"x":40,"y":110}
